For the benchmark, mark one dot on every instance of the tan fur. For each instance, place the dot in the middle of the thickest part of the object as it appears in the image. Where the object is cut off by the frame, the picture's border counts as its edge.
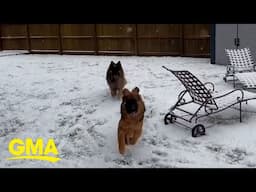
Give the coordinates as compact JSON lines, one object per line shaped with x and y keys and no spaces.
{"x":130,"y":127}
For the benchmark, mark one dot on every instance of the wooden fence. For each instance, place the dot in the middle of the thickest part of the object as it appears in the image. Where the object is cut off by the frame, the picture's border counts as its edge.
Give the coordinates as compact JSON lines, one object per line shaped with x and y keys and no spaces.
{"x":112,"y":39}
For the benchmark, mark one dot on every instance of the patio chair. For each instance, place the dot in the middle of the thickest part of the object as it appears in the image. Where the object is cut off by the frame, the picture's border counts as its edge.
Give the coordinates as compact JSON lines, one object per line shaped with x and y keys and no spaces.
{"x":203,"y":101}
{"x":241,"y":67}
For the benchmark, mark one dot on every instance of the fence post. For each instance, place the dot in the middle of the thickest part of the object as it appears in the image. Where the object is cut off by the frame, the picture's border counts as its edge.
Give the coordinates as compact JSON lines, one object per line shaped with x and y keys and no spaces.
{"x":28,"y":38}
{"x":136,"y":40}
{"x":1,"y":45}
{"x":182,"y":50}
{"x":212,"y":43}
{"x":60,"y":39}
{"x":95,"y":39}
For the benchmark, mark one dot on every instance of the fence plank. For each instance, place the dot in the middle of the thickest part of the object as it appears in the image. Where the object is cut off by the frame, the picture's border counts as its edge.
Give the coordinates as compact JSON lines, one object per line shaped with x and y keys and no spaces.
{"x":159,"y":39}
{"x":1,"y":46}
{"x":95,"y":39}
{"x":28,"y":38}
{"x":197,"y":40}
{"x":44,"y":37}
{"x":60,"y":40}
{"x":78,"y":38}
{"x":13,"y":36}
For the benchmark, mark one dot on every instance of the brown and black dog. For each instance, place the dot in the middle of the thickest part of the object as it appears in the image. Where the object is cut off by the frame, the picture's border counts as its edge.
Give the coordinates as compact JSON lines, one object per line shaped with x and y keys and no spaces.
{"x":132,"y":116}
{"x":115,"y":78}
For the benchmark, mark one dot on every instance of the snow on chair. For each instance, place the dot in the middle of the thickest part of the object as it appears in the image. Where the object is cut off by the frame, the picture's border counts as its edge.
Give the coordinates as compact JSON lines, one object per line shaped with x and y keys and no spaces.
{"x":202,"y":101}
{"x":241,"y":67}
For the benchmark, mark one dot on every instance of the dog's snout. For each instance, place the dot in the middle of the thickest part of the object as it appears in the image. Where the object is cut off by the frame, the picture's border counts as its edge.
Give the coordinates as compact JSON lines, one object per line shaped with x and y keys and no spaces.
{"x":131,"y":106}
{"x":116,"y":76}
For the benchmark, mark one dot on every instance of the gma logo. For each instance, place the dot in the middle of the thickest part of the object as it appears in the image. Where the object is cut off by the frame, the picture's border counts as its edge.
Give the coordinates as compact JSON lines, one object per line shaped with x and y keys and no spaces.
{"x":36,"y":151}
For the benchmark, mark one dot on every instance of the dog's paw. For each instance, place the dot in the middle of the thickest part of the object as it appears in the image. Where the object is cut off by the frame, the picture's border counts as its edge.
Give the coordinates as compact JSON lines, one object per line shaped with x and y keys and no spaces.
{"x":113,"y":93}
{"x":122,"y":151}
{"x":120,"y":96}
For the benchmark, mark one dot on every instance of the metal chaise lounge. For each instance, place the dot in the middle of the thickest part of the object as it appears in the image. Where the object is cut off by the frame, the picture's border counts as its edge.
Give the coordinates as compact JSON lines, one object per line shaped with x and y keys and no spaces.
{"x":241,"y":67}
{"x":201,"y":98}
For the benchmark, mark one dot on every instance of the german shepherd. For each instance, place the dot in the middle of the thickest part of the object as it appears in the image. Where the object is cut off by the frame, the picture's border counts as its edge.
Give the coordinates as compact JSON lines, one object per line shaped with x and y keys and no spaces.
{"x":132,"y":116}
{"x":116,"y":79}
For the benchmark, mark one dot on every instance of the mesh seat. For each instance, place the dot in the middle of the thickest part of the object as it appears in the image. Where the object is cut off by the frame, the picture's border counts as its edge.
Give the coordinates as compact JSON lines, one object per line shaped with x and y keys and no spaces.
{"x":197,"y":90}
{"x":248,"y":79}
{"x":241,"y":61}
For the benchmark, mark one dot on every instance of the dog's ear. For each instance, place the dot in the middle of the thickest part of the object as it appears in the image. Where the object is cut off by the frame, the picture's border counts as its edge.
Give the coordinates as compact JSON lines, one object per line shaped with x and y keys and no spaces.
{"x":125,"y":92}
{"x":112,"y":63}
{"x":136,"y":90}
{"x":118,"y":63}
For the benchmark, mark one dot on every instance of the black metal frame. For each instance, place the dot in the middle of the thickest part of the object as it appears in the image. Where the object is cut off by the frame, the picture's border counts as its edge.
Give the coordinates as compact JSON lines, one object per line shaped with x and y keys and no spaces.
{"x":201,"y":96}
{"x":230,"y":72}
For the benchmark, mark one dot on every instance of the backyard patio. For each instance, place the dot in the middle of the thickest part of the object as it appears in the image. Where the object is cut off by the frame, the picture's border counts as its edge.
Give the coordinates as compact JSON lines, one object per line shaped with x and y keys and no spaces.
{"x":66,"y":97}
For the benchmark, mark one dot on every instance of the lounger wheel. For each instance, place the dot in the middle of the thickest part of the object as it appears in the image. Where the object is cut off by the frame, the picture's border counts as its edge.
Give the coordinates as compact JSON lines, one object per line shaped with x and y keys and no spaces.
{"x":198,"y":130}
{"x":169,"y":118}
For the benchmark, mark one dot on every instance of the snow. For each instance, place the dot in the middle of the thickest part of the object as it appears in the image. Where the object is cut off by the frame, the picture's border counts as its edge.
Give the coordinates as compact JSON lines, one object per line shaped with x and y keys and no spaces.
{"x":67,"y":98}
{"x":12,"y":52}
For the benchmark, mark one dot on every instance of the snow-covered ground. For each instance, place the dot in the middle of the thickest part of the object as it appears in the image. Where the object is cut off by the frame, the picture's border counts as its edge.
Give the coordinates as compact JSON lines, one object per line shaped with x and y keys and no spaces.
{"x":67,"y":98}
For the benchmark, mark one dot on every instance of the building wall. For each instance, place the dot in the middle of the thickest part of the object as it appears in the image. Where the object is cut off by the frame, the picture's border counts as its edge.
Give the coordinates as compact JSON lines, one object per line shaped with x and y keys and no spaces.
{"x":247,"y":35}
{"x":224,"y":38}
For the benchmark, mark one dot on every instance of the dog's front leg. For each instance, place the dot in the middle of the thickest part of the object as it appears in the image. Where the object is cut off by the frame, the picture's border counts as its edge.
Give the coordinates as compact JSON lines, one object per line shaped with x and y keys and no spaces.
{"x":113,"y":92}
{"x":136,"y":136}
{"x":120,"y":93}
{"x":121,"y":142}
